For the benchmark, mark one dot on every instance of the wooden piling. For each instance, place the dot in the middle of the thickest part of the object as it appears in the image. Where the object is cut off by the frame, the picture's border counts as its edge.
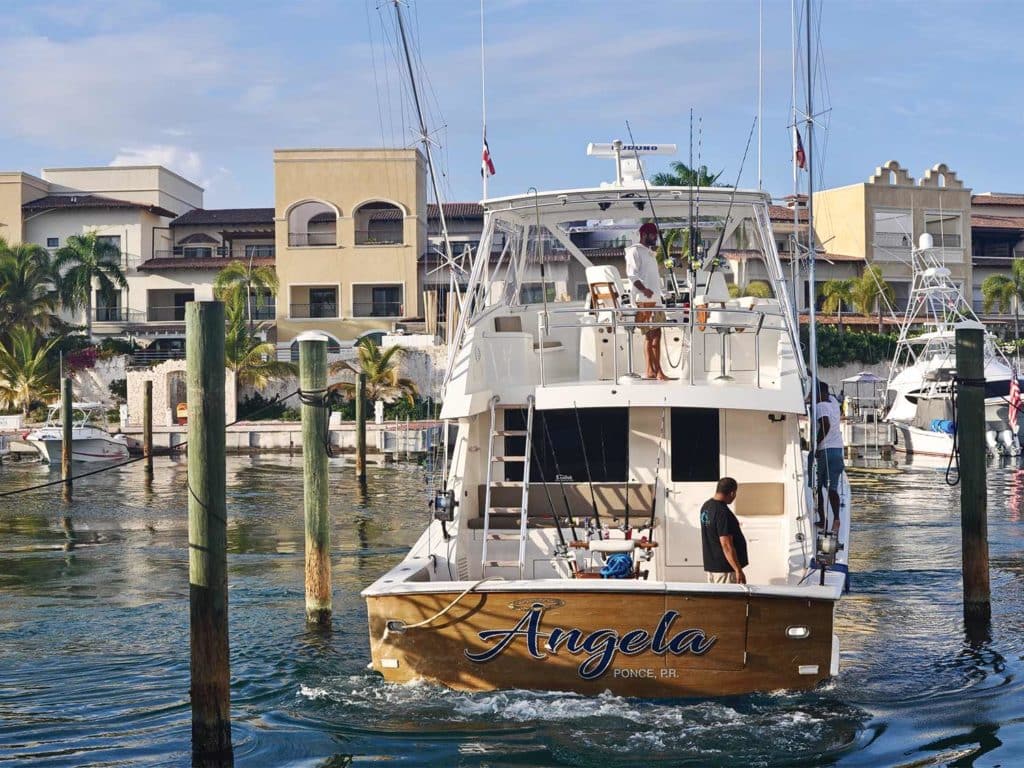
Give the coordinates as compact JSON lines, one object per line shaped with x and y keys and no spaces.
{"x":361,"y":426}
{"x":970,"y":426}
{"x":313,"y":383}
{"x":66,"y":424}
{"x":147,"y":425}
{"x":207,"y":533}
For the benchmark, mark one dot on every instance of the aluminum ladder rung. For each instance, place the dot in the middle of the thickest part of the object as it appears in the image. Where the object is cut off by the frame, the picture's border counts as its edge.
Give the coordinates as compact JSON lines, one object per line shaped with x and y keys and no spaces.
{"x":506,"y":512}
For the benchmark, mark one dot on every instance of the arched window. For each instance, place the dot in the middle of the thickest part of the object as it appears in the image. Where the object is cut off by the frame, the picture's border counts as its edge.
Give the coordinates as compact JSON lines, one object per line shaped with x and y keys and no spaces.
{"x":379,"y":223}
{"x":941,"y":180}
{"x":312,"y":223}
{"x":892,"y":177}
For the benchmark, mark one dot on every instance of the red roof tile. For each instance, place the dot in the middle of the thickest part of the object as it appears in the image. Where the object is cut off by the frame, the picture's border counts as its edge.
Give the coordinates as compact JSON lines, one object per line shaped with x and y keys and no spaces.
{"x":997,"y":199}
{"x":76,"y":201}
{"x":996,"y":222}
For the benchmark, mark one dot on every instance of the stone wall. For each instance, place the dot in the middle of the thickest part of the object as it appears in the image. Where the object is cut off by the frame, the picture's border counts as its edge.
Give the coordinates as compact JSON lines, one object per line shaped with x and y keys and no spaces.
{"x":169,"y":388}
{"x":92,"y":385}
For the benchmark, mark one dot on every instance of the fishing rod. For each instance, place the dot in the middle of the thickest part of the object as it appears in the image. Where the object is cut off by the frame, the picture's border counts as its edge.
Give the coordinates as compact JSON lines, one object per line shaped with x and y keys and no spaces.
{"x":563,"y":548}
{"x":732,"y":197}
{"x":558,"y":477}
{"x":650,"y":202}
{"x":657,"y":477}
{"x":586,"y":463}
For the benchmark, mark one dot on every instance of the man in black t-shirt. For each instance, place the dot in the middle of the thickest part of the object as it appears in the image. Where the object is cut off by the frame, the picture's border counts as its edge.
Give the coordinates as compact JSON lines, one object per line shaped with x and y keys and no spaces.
{"x":725,"y":548}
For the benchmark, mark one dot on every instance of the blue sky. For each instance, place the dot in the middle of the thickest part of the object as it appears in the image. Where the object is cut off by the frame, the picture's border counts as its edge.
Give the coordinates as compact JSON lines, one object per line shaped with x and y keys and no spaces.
{"x":210,"y":89}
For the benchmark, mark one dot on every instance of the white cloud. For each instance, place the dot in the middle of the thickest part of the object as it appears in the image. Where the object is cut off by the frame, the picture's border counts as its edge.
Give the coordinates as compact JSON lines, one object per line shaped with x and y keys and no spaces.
{"x":182,"y":161}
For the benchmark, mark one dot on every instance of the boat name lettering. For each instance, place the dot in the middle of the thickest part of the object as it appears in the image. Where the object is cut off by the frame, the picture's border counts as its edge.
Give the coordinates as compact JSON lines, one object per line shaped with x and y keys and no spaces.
{"x":600,"y":646}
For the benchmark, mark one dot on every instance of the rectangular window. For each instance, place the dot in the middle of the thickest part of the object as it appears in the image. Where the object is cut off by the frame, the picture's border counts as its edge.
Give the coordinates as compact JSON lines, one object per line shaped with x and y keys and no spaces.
{"x":198,"y":252}
{"x":387,"y":301}
{"x":558,"y":451}
{"x":894,"y":230}
{"x":944,"y":227}
{"x":530,"y":293}
{"x":695,"y":445}
{"x":53,"y":242}
{"x":259,"y":251}
{"x":323,"y":302}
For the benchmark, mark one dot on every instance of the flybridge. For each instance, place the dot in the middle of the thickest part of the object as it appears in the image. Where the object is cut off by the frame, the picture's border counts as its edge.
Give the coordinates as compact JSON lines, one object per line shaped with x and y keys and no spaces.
{"x":628,"y":168}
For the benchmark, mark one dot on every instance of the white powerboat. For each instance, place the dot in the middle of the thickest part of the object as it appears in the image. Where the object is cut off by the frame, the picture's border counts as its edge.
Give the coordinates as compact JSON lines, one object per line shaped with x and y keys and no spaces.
{"x":920,"y":385}
{"x":564,"y":548}
{"x":89,"y":442}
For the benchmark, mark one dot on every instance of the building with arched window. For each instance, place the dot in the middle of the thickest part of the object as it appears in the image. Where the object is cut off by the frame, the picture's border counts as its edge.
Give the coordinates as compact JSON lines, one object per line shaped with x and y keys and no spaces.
{"x":351,"y":224}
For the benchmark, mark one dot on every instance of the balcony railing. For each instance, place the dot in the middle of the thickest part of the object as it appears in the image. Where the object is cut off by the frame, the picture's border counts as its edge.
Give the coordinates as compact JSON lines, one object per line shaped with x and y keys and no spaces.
{"x":303,"y":239}
{"x":366,"y":237}
{"x":247,"y":252}
{"x":146,"y":357}
{"x":166,"y":314}
{"x":317,"y":309}
{"x":947,"y":240}
{"x":893,"y":240}
{"x":118,"y":315}
{"x":378,"y":309}
{"x":265,"y":311}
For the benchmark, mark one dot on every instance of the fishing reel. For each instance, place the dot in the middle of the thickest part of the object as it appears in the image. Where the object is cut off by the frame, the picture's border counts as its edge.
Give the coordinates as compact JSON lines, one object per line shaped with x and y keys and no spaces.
{"x":827,"y":547}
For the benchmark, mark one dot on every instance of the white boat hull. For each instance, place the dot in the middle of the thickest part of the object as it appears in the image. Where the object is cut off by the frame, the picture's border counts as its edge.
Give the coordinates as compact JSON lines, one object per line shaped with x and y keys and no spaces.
{"x":913,"y":440}
{"x":91,"y":449}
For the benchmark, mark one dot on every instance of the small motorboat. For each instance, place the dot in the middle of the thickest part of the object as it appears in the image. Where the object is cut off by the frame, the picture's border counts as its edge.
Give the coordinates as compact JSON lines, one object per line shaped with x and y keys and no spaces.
{"x":89,"y":440}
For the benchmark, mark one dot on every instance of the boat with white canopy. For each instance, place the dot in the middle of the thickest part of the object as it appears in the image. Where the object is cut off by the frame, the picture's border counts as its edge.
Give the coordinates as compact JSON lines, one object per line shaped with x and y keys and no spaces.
{"x":89,"y":440}
{"x":564,"y":549}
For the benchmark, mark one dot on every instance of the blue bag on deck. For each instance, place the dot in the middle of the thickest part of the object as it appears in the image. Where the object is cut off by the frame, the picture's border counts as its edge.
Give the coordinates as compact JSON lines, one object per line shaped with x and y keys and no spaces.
{"x":617,"y":566}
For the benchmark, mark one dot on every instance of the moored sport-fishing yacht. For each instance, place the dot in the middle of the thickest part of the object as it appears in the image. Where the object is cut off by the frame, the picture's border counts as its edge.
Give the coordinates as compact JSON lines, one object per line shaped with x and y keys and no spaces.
{"x":564,"y":551}
{"x":89,"y":441}
{"x":923,"y":369}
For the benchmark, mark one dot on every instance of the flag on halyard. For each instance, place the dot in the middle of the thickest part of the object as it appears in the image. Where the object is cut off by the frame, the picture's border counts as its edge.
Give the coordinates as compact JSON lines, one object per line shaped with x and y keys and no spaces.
{"x":1015,"y":402}
{"x":487,"y":166}
{"x":801,"y":156}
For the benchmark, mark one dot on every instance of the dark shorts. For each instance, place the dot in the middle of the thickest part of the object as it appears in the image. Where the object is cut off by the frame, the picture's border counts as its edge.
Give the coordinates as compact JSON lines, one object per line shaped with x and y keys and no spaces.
{"x":830,"y":468}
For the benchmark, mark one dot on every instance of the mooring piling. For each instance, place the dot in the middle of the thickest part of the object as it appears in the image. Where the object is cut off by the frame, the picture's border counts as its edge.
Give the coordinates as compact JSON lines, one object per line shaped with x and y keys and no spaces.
{"x":147,"y":426}
{"x":66,"y":427}
{"x":313,"y":386}
{"x":970,"y":427}
{"x":207,"y":534}
{"x":361,"y":426}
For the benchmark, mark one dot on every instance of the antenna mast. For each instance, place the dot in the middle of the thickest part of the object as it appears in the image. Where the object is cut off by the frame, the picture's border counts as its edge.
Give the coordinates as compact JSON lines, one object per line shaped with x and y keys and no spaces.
{"x":812,"y":333}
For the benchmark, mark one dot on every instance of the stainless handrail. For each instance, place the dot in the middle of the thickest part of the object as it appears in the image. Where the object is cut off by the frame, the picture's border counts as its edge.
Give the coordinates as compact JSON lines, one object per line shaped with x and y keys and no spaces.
{"x":626,"y":318}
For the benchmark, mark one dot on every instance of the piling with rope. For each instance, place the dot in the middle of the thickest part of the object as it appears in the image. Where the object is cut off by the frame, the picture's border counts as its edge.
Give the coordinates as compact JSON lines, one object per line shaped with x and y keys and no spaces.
{"x":313,"y":386}
{"x":970,"y":435}
{"x":66,"y":426}
{"x":147,"y":426}
{"x":207,"y":533}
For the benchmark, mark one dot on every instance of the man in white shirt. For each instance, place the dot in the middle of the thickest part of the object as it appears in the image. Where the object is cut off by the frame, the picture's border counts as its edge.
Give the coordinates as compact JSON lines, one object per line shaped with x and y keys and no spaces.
{"x":829,"y":453}
{"x":642,"y":273}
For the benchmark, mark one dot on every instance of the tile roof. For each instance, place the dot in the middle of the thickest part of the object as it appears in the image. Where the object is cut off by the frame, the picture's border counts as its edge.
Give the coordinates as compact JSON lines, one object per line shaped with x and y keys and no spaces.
{"x":785,"y":213}
{"x":997,"y":199}
{"x":457,"y":211}
{"x":214,"y":262}
{"x":83,"y":201}
{"x":207,"y":216}
{"x":996,"y":222}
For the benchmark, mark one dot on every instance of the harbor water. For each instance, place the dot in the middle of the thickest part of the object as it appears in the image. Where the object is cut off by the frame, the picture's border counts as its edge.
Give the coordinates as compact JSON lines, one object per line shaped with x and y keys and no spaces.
{"x":94,"y":648}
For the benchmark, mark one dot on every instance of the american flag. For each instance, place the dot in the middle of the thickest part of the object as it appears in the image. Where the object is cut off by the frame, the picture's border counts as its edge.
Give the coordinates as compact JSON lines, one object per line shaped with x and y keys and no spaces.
{"x":798,"y":144}
{"x":487,"y":166}
{"x":1015,"y":403}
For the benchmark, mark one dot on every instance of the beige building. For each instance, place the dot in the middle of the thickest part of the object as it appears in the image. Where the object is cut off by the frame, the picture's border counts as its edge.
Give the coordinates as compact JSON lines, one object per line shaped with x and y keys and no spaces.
{"x":130,"y":207}
{"x":881,"y":219}
{"x":351,"y":225}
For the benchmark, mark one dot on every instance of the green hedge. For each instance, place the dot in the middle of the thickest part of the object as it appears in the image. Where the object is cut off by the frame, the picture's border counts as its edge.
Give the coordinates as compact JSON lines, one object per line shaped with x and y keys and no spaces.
{"x":837,"y":348}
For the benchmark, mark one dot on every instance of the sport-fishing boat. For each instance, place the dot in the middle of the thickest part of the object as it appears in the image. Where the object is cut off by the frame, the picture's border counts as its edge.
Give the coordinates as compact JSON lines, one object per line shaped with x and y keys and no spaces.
{"x":564,"y":550}
{"x":89,"y":441}
{"x":923,"y":368}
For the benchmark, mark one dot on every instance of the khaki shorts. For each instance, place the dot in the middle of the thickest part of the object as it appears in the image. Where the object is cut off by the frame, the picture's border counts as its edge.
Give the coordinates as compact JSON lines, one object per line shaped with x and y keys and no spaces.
{"x":720,"y":578}
{"x":656,"y":316}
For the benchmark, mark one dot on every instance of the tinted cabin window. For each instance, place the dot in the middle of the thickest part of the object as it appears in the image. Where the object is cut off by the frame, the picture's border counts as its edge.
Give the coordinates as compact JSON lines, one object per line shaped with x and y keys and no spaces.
{"x":557,"y":449}
{"x":695,"y":445}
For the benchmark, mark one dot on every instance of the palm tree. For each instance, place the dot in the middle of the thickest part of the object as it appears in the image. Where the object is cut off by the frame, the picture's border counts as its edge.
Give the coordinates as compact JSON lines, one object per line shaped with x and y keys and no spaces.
{"x":871,"y":291}
{"x":28,"y":290}
{"x":683,"y":175}
{"x":26,"y":372}
{"x":1005,"y":291}
{"x":837,"y":293}
{"x":88,"y":259}
{"x":242,"y":277}
{"x":674,"y":242}
{"x":381,"y":369}
{"x":252,"y":360}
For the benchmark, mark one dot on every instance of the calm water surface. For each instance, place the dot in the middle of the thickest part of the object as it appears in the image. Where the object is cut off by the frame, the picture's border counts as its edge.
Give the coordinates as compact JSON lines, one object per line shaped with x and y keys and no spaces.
{"x":94,"y":642}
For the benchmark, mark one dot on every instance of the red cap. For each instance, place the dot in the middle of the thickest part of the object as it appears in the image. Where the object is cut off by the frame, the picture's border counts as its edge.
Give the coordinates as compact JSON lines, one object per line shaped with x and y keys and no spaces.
{"x":649,"y":228}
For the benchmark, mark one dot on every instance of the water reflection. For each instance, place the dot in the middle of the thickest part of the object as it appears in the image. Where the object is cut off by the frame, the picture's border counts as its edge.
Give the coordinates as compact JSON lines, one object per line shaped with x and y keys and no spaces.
{"x":94,"y":639}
